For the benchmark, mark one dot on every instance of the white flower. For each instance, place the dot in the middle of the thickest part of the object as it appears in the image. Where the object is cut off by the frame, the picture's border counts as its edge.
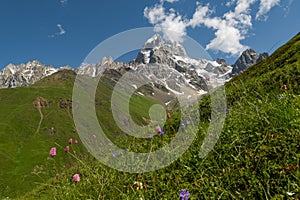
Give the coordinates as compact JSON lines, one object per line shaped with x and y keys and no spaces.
{"x":290,"y":193}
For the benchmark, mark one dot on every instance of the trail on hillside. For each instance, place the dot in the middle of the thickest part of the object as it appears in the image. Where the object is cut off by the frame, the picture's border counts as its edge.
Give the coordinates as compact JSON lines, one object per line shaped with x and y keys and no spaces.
{"x":41,"y":119}
{"x":39,"y":103}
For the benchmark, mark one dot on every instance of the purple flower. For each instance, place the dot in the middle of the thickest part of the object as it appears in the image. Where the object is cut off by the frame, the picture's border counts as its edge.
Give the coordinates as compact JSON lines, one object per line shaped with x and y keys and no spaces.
{"x":114,"y":154}
{"x":76,"y":178}
{"x":209,"y":119}
{"x":161,"y":132}
{"x":184,"y":194}
{"x":53,"y":152}
{"x":67,"y":149}
{"x":158,"y":129}
{"x":150,"y":136}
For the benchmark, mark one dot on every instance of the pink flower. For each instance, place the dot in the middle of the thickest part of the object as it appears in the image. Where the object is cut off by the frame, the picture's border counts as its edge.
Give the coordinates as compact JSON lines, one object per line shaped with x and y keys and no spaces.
{"x":57,"y":176}
{"x":70,"y":141}
{"x":284,"y":87}
{"x":241,"y":71}
{"x":53,"y":151}
{"x":67,"y":149}
{"x":168,"y":115}
{"x":158,"y":129}
{"x":76,"y":178}
{"x":94,"y":136}
{"x":76,"y":141}
{"x":207,"y":78}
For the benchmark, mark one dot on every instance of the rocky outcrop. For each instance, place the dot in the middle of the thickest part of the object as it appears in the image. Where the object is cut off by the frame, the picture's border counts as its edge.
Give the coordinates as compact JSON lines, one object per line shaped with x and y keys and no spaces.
{"x":40,"y":102}
{"x":248,"y":58}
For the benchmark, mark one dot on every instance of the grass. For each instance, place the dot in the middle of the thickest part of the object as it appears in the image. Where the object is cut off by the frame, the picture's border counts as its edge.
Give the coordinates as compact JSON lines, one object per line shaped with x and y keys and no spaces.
{"x":256,"y":157}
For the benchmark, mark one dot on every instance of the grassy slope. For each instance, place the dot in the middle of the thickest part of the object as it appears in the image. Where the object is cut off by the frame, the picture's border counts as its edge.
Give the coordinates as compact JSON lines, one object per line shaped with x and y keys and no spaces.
{"x":257,"y":156}
{"x":24,"y":153}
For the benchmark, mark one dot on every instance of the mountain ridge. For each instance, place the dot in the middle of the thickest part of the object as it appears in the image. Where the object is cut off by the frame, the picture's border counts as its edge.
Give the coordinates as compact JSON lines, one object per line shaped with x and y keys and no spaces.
{"x":196,"y":72}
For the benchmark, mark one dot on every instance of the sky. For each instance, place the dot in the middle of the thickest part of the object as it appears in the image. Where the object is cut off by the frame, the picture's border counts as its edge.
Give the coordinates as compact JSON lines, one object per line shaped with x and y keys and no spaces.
{"x":63,"y":32}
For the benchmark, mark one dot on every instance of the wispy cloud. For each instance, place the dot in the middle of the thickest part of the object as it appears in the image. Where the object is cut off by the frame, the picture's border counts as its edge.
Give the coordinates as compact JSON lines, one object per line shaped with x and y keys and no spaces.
{"x":230,"y":28}
{"x":287,"y":7}
{"x":264,"y":7}
{"x":61,"y":31}
{"x":171,"y":1}
{"x":63,"y":2}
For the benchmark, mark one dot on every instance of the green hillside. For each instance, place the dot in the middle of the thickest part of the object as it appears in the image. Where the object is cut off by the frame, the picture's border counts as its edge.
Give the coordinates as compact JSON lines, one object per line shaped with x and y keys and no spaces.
{"x":24,"y":146}
{"x":256,"y":157}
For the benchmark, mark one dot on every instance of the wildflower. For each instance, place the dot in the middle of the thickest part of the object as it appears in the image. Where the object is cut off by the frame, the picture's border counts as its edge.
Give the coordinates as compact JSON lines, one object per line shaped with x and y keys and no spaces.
{"x":290,"y":193}
{"x":57,"y":176}
{"x":150,"y":136}
{"x":67,"y":149}
{"x":161,"y":132}
{"x":76,"y":141}
{"x":70,"y":141}
{"x":284,"y":87}
{"x":168,"y":115}
{"x":138,"y":185}
{"x":53,"y":151}
{"x":158,"y":129}
{"x":184,"y":194}
{"x":207,"y":78}
{"x":209,"y":119}
{"x":114,"y":154}
{"x":76,"y":178}
{"x":94,"y":136}
{"x":241,"y":71}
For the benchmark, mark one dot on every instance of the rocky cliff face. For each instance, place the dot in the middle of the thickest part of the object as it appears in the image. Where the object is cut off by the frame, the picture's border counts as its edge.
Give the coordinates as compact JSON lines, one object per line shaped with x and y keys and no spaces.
{"x":196,"y":73}
{"x":248,"y":58}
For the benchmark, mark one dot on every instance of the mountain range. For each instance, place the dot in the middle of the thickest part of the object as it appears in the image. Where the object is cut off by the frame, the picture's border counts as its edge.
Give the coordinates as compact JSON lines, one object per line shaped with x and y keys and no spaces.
{"x":179,"y":70}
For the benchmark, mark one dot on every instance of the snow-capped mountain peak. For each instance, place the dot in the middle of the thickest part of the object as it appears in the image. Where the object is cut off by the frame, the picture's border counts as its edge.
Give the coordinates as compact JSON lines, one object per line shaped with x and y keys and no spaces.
{"x":24,"y":74}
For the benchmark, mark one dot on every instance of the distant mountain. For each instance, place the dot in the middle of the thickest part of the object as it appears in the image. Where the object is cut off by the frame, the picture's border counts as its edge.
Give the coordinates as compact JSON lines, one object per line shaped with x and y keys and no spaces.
{"x":248,"y":58}
{"x":195,"y":73}
{"x":174,"y":70}
{"x":24,"y":74}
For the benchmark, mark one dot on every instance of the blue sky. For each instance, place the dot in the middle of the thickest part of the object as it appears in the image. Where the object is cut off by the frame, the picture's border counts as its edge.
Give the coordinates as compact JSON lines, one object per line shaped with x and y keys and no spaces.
{"x":63,"y":32}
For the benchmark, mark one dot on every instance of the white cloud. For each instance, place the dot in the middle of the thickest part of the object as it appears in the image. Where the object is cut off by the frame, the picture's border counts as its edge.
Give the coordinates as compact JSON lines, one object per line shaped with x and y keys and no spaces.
{"x":230,"y":3}
{"x":230,"y":29}
{"x":171,"y":24}
{"x":61,"y":31}
{"x":265,"y":6}
{"x":155,"y":14}
{"x":171,"y":1}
